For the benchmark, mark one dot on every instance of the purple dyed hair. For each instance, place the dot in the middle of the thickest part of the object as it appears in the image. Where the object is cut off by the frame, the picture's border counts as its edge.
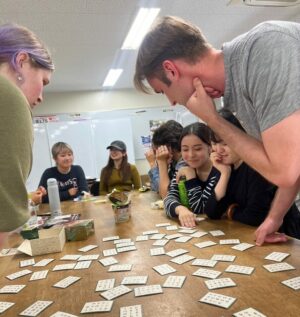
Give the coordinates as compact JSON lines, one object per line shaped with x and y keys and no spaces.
{"x":15,"y":39}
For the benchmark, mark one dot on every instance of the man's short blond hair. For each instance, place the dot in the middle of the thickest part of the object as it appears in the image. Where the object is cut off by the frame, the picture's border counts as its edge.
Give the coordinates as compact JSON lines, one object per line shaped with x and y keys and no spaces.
{"x":60,"y":147}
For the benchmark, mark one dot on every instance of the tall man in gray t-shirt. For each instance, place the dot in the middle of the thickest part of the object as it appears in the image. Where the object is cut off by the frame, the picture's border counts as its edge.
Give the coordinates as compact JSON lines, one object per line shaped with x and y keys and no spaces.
{"x":258,"y":73}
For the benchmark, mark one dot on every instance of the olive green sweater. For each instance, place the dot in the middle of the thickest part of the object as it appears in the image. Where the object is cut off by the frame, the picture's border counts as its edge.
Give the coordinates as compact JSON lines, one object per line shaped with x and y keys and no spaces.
{"x":16,"y":139}
{"x":116,"y":182}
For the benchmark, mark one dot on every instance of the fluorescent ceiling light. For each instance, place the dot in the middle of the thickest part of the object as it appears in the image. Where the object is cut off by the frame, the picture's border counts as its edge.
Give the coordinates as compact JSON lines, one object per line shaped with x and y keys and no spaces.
{"x":112,"y":77}
{"x":139,"y":28}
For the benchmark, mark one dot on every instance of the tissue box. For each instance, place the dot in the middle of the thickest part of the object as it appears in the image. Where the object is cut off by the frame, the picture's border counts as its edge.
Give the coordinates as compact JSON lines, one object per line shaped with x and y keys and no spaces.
{"x":49,"y":241}
{"x":79,"y":230}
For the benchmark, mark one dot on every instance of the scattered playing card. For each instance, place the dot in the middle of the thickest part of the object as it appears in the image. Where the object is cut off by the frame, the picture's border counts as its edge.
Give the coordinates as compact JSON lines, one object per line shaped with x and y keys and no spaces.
{"x":66,"y":282}
{"x":229,"y":241}
{"x":204,"y":244}
{"x":124,"y":244}
{"x":89,"y":257}
{"x":277,"y":256}
{"x":126,"y":249}
{"x":223,"y":257}
{"x":204,"y":262}
{"x":183,"y":239}
{"x":109,"y":252}
{"x":27,"y":262}
{"x":104,"y":285}
{"x":43,"y":262}
{"x":120,"y":267}
{"x":62,"y":267}
{"x":174,"y":281}
{"x":82,"y":265}
{"x":150,"y":232}
{"x":160,"y":242}
{"x":39,"y":275}
{"x":173,"y":236}
{"x":11,"y":289}
{"x":293,"y":283}
{"x":111,"y":238}
{"x":207,"y":273}
{"x":278,"y":267}
{"x":176,"y":252}
{"x":217,"y":233}
{"x":131,"y":311}
{"x":88,"y":248}
{"x":142,"y":238}
{"x":157,"y":251}
{"x":240,"y":269}
{"x":108,"y":261}
{"x":147,"y":290}
{"x":70,"y":257}
{"x":198,"y":234}
{"x":164,"y":269}
{"x":18,"y":274}
{"x":36,"y":308}
{"x":97,"y":307}
{"x":173,"y":227}
{"x":157,"y":236}
{"x":187,"y":230}
{"x":182,"y":259}
{"x":116,"y":292}
{"x":242,"y":246}
{"x":219,"y":283}
{"x":4,"y":306}
{"x":134,"y":280}
{"x":62,"y":314}
{"x":127,"y":240}
{"x":249,"y":312}
{"x":166,"y":224}
{"x":218,"y":300}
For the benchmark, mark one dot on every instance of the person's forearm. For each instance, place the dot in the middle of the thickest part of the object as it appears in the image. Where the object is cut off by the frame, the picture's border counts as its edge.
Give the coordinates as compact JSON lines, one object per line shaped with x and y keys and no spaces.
{"x":164,"y":180}
{"x":221,"y":187}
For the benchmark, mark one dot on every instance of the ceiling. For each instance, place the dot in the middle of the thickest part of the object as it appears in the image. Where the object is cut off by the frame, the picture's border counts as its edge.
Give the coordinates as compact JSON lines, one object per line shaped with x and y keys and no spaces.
{"x":85,"y":36}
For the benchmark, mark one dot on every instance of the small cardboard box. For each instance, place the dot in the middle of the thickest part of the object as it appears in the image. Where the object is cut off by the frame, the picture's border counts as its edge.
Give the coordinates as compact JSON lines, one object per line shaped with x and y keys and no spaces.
{"x":79,"y":230}
{"x":49,"y":241}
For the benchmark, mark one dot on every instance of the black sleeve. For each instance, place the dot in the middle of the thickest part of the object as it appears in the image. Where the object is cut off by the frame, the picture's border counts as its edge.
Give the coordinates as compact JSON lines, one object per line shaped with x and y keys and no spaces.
{"x":215,"y":209}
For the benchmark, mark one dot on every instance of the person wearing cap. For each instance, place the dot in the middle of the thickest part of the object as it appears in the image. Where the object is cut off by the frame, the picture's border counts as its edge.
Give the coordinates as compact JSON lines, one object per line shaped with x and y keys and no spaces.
{"x":118,"y":173}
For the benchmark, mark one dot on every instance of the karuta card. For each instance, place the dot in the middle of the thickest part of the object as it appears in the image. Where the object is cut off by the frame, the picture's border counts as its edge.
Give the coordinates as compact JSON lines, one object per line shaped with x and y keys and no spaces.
{"x":127,"y":249}
{"x":82,"y":265}
{"x":278,"y":267}
{"x":70,"y":257}
{"x":207,"y":273}
{"x":39,"y":275}
{"x":217,"y":233}
{"x":160,"y":242}
{"x":109,"y":252}
{"x":249,"y":312}
{"x":240,"y":269}
{"x":66,"y":282}
{"x":293,"y":283}
{"x":183,"y":239}
{"x":89,"y":257}
{"x":120,"y":267}
{"x":199,"y":219}
{"x":116,"y":292}
{"x":198,"y":234}
{"x":97,"y":307}
{"x":164,"y":269}
{"x":169,"y":228}
{"x":229,"y":241}
{"x":220,"y":283}
{"x":147,"y":290}
{"x":157,"y":236}
{"x":242,"y":246}
{"x":157,"y":251}
{"x":223,"y":257}
{"x":108,"y":261}
{"x":217,"y":300}
{"x":18,"y":274}
{"x":124,"y":244}
{"x":204,"y":262}
{"x":27,"y":262}
{"x":182,"y":259}
{"x":88,"y":248}
{"x":277,"y":256}
{"x":127,"y":240}
{"x":37,"y":307}
{"x":135,"y":280}
{"x":104,"y":285}
{"x":11,"y":289}
{"x":150,"y":232}
{"x":62,"y":314}
{"x":176,"y":252}
{"x":131,"y":311}
{"x":173,"y":236}
{"x":174,"y":281}
{"x":43,"y":262}
{"x":204,"y":244}
{"x":62,"y":267}
{"x":165,"y":224}
{"x":111,"y":238}
{"x":4,"y":306}
{"x":142,"y":238}
{"x":188,"y":231}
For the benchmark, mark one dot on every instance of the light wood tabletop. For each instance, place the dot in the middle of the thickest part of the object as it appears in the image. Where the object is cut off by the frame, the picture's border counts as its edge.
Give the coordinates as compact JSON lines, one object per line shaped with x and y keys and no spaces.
{"x":261,"y":290}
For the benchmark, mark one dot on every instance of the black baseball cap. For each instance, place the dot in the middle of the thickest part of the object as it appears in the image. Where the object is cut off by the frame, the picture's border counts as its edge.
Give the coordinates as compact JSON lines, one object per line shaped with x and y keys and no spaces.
{"x":119,"y":145}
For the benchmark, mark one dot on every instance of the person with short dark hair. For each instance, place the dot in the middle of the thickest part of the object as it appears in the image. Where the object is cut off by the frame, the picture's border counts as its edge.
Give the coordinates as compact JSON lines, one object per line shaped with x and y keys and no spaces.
{"x":164,"y":157}
{"x":257,"y":73}
{"x":70,"y":178}
{"x":118,"y":173}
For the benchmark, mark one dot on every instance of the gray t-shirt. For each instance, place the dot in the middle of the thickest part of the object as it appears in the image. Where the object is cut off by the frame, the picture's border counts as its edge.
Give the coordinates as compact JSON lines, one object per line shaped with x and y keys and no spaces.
{"x":262,"y":70}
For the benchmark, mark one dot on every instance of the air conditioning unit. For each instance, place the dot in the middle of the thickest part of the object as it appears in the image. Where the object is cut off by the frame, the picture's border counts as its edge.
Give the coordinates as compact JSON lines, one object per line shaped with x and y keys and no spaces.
{"x":274,"y":3}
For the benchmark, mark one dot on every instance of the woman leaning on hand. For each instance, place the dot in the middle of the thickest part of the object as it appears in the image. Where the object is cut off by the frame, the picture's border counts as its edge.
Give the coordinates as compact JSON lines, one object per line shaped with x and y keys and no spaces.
{"x":25,"y":68}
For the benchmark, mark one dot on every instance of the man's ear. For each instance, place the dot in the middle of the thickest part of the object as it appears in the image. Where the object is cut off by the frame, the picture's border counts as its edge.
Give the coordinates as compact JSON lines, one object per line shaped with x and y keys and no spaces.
{"x":170,"y":69}
{"x":21,"y":58}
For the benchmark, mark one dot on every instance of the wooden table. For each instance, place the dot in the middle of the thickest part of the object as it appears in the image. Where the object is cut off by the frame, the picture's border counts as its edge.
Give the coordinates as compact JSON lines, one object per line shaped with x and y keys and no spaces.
{"x":261,"y":290}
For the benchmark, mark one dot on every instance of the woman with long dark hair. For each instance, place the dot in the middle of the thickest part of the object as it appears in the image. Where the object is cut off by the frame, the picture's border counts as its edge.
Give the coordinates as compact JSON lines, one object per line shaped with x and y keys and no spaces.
{"x":118,"y":173}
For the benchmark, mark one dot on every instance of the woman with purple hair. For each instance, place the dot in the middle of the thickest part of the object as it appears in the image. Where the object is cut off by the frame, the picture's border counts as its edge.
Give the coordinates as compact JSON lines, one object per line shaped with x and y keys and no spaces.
{"x":25,"y":68}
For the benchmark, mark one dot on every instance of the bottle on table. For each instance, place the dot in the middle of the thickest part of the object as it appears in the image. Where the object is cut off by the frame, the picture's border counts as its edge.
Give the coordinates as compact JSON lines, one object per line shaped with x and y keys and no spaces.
{"x":183,"y":196}
{"x":54,"y":200}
